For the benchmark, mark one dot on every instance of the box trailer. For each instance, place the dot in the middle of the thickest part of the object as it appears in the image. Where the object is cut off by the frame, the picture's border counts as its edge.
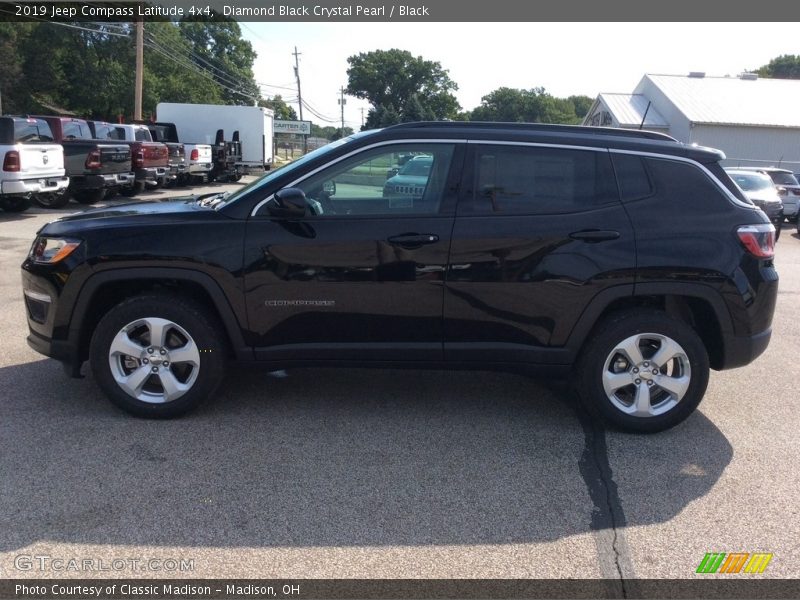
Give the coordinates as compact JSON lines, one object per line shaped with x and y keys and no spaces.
{"x":198,"y":123}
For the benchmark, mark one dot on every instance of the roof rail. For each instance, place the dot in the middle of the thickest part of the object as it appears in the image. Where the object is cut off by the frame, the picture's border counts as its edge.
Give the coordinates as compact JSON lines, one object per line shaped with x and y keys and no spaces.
{"x":543,"y":127}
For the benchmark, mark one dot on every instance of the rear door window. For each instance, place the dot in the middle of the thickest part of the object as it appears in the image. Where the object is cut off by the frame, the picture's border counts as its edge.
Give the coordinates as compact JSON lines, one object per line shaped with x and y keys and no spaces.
{"x":520,"y":180}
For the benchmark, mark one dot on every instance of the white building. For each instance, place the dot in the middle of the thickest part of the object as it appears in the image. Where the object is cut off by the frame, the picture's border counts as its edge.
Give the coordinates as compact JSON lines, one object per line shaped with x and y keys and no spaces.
{"x":754,"y":121}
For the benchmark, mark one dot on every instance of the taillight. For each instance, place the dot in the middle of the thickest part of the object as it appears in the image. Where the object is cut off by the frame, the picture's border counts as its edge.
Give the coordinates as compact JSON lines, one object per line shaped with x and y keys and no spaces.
{"x":796,"y":192}
{"x":138,"y":159}
{"x":11,"y":161}
{"x":195,"y":154}
{"x":758,"y":239}
{"x":93,"y":160}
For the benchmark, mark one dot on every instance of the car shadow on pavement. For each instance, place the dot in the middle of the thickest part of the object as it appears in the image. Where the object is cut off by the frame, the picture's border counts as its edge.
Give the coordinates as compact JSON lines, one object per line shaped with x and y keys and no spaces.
{"x":326,"y":458}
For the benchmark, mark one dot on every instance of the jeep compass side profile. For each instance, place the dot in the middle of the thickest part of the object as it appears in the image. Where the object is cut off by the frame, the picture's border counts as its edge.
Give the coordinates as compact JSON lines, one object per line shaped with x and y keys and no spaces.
{"x":623,"y":258}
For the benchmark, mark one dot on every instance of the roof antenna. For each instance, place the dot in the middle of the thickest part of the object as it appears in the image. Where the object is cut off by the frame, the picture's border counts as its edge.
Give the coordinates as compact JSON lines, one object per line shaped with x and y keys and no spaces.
{"x":645,"y":114}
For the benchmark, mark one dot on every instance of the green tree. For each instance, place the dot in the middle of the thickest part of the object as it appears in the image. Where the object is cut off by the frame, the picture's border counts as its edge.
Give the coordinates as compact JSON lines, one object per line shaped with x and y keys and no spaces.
{"x":582,"y":105}
{"x":524,"y":106}
{"x":398,"y":80}
{"x":281,"y":109}
{"x":786,"y":66}
{"x":218,"y":47}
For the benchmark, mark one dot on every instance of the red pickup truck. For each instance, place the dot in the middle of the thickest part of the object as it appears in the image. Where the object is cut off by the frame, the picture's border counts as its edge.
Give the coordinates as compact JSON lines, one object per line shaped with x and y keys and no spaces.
{"x":150,"y":159}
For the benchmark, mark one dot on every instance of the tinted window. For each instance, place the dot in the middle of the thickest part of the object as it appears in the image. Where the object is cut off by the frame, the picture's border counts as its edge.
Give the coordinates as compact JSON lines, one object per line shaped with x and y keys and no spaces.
{"x":683,"y":183}
{"x":73,"y":130}
{"x":374,"y":183}
{"x":532,"y":180}
{"x":27,"y":131}
{"x":632,"y":178}
{"x":103,"y":131}
{"x":783,"y":178}
{"x":142,"y":135}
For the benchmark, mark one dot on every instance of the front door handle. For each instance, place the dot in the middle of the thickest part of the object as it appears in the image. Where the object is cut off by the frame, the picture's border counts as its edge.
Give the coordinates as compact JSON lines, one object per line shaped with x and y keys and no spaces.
{"x":413,"y":240}
{"x":594,"y":235}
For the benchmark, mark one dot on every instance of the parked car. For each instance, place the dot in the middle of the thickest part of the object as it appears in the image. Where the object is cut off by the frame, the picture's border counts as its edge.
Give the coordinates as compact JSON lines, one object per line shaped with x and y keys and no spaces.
{"x":788,"y":189}
{"x":150,"y":159}
{"x":410,"y":180}
{"x":623,"y":258}
{"x":759,"y":189}
{"x":33,"y":164}
{"x":168,"y":135}
{"x":96,"y":169}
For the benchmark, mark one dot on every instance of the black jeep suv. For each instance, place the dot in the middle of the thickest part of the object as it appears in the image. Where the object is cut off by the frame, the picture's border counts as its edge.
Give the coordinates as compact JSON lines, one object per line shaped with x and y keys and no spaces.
{"x":623,"y":258}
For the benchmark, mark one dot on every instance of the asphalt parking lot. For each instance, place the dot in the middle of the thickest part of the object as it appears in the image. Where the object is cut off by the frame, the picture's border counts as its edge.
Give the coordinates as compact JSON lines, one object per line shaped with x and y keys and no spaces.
{"x":372,"y":474}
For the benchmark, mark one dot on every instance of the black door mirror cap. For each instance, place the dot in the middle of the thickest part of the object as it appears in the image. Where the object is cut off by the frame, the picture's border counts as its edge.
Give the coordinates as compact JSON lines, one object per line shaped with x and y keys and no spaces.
{"x":289,"y":203}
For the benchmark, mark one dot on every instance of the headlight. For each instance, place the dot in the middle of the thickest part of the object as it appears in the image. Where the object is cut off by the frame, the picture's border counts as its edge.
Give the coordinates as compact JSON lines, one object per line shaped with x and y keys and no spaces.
{"x":48,"y":250}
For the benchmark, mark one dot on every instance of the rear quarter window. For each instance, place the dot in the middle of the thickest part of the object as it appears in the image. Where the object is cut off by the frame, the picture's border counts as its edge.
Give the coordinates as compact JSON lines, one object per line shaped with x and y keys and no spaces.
{"x":686,"y":184}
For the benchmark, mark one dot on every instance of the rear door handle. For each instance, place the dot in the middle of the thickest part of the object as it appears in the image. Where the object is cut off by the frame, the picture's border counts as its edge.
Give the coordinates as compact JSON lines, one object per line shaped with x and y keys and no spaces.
{"x":413,"y":240}
{"x":594,"y":235}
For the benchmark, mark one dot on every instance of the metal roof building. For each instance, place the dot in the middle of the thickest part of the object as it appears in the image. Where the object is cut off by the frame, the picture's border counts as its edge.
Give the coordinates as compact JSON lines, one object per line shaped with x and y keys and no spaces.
{"x":754,"y":121}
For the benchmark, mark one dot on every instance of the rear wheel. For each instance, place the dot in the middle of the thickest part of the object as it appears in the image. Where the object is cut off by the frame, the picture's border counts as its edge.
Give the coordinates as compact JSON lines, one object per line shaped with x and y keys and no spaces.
{"x":130,"y":191}
{"x":51,"y":199}
{"x":643,"y":371}
{"x":89,"y":196}
{"x":15,"y":203}
{"x":157,"y":356}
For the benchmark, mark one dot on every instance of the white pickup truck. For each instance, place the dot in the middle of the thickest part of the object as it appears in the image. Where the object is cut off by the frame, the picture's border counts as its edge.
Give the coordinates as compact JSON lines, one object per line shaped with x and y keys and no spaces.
{"x":32,"y":164}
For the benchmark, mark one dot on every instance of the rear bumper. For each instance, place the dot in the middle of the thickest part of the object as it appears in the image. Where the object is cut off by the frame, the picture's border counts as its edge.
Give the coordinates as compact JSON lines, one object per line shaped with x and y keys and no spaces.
{"x":199,"y":167}
{"x":101,"y":181}
{"x":151,"y":174}
{"x":23,"y":187}
{"x":742,"y":350}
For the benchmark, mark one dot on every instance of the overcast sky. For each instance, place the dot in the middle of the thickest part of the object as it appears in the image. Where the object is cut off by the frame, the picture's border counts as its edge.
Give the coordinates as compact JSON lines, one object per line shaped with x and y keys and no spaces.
{"x":564,"y":58}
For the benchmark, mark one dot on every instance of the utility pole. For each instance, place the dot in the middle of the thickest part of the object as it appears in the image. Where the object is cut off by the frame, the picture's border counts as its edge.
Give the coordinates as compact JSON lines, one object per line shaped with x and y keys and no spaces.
{"x":362,"y":117}
{"x":342,"y":102}
{"x":137,"y":104}
{"x":299,"y":94}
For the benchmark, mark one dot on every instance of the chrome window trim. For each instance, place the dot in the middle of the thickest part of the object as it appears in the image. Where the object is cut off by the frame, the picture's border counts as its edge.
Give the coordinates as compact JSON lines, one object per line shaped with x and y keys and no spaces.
{"x":725,"y":191}
{"x":708,"y":174}
{"x":396,"y":142}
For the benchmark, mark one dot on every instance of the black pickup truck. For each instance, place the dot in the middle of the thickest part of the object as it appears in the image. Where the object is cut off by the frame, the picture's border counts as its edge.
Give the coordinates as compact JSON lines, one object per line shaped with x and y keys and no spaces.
{"x":95,"y":169}
{"x":167,"y":134}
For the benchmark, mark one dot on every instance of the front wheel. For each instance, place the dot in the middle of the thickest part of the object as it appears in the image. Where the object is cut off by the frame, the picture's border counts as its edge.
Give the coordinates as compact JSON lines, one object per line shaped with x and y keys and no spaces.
{"x":643,"y":371}
{"x":158,"y":356}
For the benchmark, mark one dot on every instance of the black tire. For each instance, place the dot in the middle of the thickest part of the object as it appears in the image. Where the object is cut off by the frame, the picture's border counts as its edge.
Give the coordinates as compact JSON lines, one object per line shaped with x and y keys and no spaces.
{"x":182,"y":181}
{"x":185,"y":316}
{"x":89,"y":196}
{"x":111,"y":192}
{"x":51,"y":200}
{"x":778,"y":228}
{"x":597,"y":361}
{"x":15,"y":204}
{"x":133,"y":190}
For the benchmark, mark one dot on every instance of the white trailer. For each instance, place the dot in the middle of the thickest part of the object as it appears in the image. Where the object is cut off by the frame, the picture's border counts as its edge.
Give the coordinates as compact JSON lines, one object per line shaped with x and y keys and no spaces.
{"x":198,"y":124}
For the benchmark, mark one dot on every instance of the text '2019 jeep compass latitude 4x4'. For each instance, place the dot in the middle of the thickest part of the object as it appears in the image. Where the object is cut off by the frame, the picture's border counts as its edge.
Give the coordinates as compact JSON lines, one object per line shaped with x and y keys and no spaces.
{"x":622,"y":257}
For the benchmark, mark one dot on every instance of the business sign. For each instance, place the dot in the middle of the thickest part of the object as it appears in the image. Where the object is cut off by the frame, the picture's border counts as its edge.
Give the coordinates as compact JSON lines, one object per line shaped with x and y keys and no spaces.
{"x":300,"y":127}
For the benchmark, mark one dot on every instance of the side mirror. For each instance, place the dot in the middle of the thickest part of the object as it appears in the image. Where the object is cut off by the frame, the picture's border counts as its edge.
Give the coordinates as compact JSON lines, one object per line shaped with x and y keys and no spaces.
{"x":289,"y":203}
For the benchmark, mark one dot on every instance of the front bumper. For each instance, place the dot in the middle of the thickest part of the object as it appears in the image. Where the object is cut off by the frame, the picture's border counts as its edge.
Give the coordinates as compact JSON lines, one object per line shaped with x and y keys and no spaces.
{"x":38,"y":185}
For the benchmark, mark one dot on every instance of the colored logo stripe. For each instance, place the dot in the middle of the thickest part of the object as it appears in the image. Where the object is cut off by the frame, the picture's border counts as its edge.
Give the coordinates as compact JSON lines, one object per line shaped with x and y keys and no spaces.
{"x":757,"y":563}
{"x":721,"y":562}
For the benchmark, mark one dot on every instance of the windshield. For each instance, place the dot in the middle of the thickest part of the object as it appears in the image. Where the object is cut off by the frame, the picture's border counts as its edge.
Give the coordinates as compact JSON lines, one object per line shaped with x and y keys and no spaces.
{"x":270,"y":176}
{"x":751,"y":182}
{"x":420,"y":167}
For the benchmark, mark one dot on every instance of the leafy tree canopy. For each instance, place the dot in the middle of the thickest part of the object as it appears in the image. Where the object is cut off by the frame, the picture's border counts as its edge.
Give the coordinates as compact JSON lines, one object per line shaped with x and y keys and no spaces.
{"x":280,"y":108}
{"x":529,"y":106}
{"x":396,"y":82}
{"x":786,"y":66}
